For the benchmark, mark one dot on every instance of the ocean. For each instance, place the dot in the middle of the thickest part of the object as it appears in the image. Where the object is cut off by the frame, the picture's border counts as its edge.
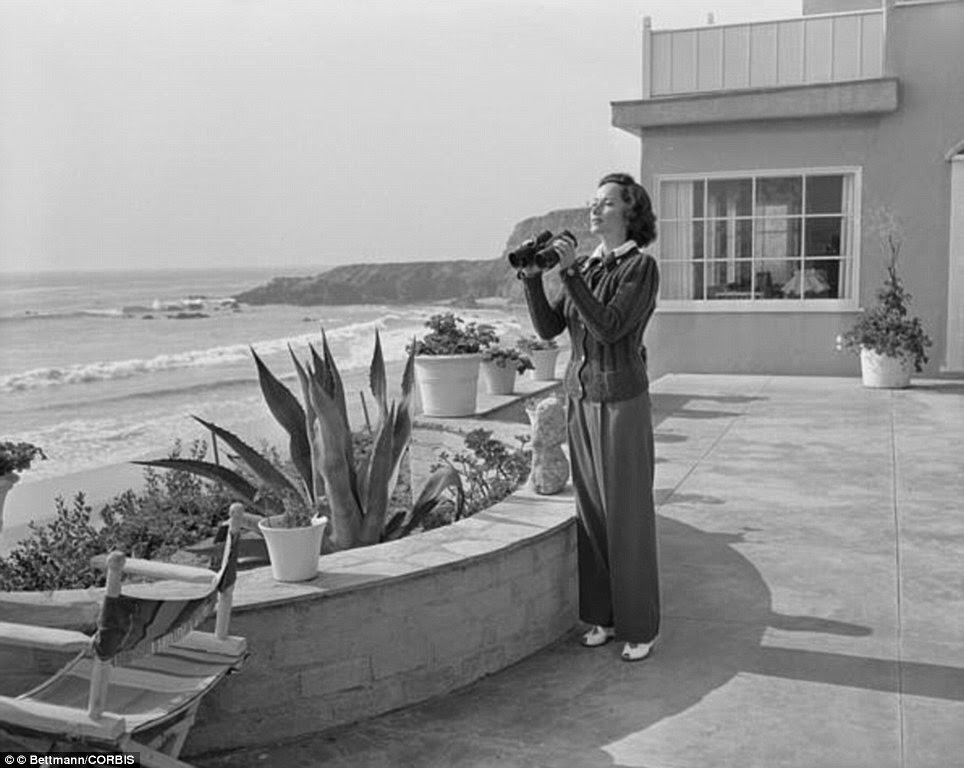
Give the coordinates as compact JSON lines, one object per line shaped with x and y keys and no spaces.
{"x":102,"y":368}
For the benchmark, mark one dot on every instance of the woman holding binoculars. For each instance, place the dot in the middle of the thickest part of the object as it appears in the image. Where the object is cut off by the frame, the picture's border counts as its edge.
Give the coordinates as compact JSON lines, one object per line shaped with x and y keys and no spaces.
{"x":605,"y":303}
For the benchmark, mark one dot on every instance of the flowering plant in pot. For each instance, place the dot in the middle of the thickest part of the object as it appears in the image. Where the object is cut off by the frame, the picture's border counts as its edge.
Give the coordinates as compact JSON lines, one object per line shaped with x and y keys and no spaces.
{"x":500,"y":365}
{"x":15,"y":458}
{"x":447,"y":363}
{"x":333,"y":486}
{"x":890,"y":343}
{"x":543,"y":353}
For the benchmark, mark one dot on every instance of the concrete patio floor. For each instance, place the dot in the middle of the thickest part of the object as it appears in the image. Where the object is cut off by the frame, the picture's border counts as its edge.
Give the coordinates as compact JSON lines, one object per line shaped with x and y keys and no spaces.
{"x":812,"y":559}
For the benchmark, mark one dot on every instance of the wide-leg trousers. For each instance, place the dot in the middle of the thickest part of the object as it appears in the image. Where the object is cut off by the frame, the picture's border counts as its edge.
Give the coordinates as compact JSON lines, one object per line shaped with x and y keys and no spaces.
{"x":612,"y":457}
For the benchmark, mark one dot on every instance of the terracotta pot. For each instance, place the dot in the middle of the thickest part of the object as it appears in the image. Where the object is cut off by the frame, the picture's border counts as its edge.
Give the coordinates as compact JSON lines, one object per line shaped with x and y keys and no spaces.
{"x":448,"y":384}
{"x":499,"y":380}
{"x":293,"y":552}
{"x":884,"y":371}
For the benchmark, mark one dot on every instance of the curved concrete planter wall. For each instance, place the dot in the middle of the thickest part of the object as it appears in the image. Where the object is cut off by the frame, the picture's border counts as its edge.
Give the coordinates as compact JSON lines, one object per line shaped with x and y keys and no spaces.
{"x":386,"y":626}
{"x":380,"y":627}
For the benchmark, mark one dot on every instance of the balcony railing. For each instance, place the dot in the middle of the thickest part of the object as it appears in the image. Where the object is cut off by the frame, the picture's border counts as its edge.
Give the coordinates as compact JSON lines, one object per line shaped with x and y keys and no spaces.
{"x":811,"y":49}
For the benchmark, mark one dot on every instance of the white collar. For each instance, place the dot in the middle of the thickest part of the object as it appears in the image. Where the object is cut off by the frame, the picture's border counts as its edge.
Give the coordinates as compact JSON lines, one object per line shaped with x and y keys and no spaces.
{"x":619,"y":253}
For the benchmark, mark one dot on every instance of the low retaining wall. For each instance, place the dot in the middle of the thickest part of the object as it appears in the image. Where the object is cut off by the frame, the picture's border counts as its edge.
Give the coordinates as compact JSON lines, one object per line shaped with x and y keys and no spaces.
{"x":387,"y":626}
{"x":380,"y":627}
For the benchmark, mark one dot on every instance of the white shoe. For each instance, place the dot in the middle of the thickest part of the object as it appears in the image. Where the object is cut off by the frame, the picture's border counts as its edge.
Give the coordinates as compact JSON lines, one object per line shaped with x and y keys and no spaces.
{"x":637,"y":651}
{"x":598,"y":636}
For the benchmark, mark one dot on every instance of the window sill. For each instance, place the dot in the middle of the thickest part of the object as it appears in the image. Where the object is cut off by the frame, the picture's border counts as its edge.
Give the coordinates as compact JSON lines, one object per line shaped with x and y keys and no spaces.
{"x":782,"y":306}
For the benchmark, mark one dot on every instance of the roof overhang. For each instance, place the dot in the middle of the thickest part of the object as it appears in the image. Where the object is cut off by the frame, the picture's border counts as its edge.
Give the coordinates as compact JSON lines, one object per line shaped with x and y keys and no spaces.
{"x":860,"y":97}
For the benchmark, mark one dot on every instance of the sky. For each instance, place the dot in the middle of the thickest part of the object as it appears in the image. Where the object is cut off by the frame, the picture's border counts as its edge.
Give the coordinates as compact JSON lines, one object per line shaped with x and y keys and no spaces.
{"x":310,"y":133}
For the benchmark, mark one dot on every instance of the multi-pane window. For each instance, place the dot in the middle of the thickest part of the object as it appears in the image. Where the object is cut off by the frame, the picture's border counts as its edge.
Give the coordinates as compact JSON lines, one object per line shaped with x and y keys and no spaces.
{"x":762,"y":237}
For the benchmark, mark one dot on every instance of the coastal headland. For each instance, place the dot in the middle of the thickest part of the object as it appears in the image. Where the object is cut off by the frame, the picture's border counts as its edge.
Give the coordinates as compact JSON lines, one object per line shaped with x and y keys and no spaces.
{"x":418,"y":282}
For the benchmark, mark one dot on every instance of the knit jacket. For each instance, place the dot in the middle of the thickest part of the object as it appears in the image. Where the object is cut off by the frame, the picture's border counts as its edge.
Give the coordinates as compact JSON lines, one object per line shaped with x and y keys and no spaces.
{"x":605,"y":303}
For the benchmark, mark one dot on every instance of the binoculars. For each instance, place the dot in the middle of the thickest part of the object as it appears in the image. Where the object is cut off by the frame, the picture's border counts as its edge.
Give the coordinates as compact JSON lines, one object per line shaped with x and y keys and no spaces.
{"x":539,"y":251}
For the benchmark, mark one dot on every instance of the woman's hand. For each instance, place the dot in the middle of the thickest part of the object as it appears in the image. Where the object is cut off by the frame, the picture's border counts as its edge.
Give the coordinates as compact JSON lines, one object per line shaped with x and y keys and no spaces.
{"x":566,"y":250}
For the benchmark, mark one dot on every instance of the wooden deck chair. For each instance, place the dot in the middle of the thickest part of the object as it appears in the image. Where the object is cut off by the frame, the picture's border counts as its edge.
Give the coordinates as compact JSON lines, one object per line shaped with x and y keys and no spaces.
{"x":134,"y":686}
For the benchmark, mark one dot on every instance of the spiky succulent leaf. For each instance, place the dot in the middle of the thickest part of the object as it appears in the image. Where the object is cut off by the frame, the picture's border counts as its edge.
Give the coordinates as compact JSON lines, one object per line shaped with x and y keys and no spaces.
{"x":325,"y":374}
{"x":315,"y":483}
{"x":319,"y":371}
{"x":433,"y":493}
{"x":377,"y":379}
{"x":436,"y":485}
{"x":330,"y":438}
{"x":379,"y":477}
{"x":288,"y":412}
{"x":235,"y":483}
{"x":338,"y":388}
{"x":402,"y":431}
{"x":408,"y":375}
{"x":267,"y":472}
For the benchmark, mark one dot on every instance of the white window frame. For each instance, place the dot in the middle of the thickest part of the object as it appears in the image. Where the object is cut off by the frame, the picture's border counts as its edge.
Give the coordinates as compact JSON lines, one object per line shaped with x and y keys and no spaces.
{"x":769,"y":305}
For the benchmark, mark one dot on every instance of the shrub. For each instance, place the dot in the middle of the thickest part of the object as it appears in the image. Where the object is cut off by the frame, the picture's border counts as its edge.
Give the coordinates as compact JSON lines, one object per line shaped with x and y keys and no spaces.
{"x":172,"y":511}
{"x":56,"y":554}
{"x":490,"y":469}
{"x":885,"y":328}
{"x":16,"y":457}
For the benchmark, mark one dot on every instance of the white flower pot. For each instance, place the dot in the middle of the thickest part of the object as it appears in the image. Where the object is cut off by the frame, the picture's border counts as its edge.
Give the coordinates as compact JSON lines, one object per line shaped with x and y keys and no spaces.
{"x":544,"y":361}
{"x":293,"y":552}
{"x":448,"y":384}
{"x":499,"y":380}
{"x":884,"y":371}
{"x":7,"y":482}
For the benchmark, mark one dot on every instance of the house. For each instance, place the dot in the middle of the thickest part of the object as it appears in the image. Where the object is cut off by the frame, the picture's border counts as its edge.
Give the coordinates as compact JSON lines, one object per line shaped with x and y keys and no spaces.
{"x":780,"y":157}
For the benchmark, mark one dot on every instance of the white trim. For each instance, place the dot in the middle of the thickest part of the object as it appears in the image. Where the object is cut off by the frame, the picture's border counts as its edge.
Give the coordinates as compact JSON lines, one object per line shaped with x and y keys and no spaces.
{"x":762,"y":22}
{"x":769,"y":305}
{"x":953,"y":359}
{"x":764,"y":172}
{"x":778,"y":306}
{"x":899,"y":3}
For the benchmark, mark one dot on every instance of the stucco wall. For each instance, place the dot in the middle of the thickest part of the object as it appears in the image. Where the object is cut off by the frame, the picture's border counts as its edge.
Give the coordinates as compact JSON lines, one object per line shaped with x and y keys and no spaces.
{"x":902,"y":156}
{"x":772,"y":343}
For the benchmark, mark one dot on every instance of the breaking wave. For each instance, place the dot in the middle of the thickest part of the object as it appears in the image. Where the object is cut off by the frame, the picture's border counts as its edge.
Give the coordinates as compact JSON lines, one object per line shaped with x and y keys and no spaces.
{"x":352,"y":346}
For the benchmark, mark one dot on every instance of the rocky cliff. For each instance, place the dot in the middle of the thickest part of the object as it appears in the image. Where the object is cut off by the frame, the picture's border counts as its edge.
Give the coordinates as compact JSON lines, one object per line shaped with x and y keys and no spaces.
{"x":420,"y":282}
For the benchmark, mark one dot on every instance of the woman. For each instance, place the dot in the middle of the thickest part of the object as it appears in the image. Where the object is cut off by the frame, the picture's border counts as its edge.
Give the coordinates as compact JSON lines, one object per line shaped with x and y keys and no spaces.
{"x":606,"y":303}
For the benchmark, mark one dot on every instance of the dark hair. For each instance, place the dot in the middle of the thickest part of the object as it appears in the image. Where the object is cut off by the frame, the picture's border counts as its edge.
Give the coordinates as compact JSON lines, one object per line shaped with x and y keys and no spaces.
{"x":640,"y":219}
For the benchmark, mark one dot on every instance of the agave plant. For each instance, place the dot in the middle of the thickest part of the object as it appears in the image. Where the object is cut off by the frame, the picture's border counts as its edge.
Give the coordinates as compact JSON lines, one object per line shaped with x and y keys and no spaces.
{"x":354,"y":494}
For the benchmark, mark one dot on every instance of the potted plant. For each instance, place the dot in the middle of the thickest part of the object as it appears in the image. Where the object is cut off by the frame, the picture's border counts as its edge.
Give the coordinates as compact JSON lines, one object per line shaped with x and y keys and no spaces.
{"x":14,"y":458}
{"x":891,"y":345}
{"x":500,"y":365}
{"x":543,"y":353}
{"x":347,"y":498}
{"x":447,"y":361}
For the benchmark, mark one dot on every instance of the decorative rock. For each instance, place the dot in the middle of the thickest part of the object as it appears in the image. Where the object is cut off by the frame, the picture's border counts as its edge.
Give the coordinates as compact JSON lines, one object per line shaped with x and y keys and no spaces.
{"x":550,"y":467}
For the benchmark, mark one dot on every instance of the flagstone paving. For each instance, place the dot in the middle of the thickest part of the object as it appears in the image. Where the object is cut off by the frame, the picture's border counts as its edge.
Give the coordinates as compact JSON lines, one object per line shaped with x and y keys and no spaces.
{"x":812,"y":560}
